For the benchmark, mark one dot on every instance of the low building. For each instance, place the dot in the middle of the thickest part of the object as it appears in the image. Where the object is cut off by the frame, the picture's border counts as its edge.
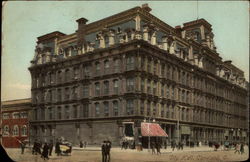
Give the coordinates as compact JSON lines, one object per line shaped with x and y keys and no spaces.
{"x":15,"y":121}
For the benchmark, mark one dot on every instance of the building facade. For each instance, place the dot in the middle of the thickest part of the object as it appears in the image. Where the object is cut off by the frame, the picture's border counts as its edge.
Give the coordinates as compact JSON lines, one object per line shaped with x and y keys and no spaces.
{"x":15,"y":121}
{"x":103,"y":80}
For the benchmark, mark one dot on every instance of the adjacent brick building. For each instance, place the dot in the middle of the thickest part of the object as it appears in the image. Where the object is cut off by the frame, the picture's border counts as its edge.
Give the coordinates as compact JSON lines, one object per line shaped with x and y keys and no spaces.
{"x":103,"y":80}
{"x":15,"y":121}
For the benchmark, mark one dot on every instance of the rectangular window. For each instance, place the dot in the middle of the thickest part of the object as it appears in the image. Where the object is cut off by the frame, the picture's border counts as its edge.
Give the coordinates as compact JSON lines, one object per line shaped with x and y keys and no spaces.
{"x":143,"y":85}
{"x":149,"y":66}
{"x":106,"y":67}
{"x":85,"y":110}
{"x":75,"y":111}
{"x":148,"y":109}
{"x":115,"y":108}
{"x":49,"y":113}
{"x":42,"y":114}
{"x":116,"y":65}
{"x":59,"y":95}
{"x":130,"y":84}
{"x":162,"y":70}
{"x":106,"y":108}
{"x":142,"y":107}
{"x":67,"y":94}
{"x":97,"y":89}
{"x":97,"y":68}
{"x":130,"y":107}
{"x":85,"y":91}
{"x":130,"y":63}
{"x":86,"y":72}
{"x":97,"y":109}
{"x":167,"y":91}
{"x":162,"y":110}
{"x":67,"y":75}
{"x":154,"y":109}
{"x":76,"y":73}
{"x":149,"y":86}
{"x":155,"y":88}
{"x":67,"y":112}
{"x":142,"y":63}
{"x":155,"y":68}
{"x":116,"y":87}
{"x":106,"y":88}
{"x":74,"y":93}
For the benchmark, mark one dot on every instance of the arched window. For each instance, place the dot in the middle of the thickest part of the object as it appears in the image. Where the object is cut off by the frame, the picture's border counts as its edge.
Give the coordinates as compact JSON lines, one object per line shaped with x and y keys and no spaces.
{"x":6,"y":130}
{"x":24,"y":130}
{"x":15,"y":130}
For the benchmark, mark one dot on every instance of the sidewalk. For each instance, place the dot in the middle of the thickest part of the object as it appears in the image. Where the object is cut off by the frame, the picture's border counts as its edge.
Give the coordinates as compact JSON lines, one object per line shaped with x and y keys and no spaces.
{"x":168,"y":150}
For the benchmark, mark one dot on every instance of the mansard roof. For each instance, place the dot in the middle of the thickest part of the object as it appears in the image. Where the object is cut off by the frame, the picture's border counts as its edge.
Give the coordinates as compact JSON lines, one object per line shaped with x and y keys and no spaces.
{"x":197,"y":22}
{"x":55,"y":34}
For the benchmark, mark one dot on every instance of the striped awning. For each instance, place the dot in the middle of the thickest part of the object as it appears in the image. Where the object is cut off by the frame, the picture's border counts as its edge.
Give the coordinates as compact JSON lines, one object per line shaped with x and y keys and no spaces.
{"x":152,"y":130}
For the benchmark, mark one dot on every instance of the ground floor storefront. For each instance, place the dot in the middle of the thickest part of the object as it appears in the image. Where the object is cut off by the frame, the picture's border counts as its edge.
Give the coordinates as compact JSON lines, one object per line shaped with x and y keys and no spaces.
{"x":94,"y":132}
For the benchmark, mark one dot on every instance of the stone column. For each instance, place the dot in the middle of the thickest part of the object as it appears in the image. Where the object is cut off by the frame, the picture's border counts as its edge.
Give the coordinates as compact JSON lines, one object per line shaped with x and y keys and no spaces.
{"x":145,"y":33}
{"x":165,"y":43}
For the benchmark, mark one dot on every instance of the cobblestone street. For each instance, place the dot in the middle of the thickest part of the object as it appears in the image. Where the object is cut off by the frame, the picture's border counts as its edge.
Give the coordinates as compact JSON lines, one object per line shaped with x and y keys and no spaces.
{"x":93,"y":154}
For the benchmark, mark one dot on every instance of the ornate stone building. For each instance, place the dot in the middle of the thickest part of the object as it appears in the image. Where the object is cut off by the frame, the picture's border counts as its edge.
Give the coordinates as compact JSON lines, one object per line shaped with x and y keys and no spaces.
{"x":103,"y":80}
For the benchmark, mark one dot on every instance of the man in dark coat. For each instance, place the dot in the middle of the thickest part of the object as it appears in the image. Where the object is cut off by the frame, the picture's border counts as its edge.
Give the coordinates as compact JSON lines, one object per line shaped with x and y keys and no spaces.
{"x":108,"y":148}
{"x":22,"y":145}
{"x":50,"y":147}
{"x":104,"y":150}
{"x":57,"y":148}
{"x":45,"y":151}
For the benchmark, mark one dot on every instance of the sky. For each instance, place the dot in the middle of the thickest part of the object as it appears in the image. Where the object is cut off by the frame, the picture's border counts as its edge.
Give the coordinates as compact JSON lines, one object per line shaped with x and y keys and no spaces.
{"x":24,"y":21}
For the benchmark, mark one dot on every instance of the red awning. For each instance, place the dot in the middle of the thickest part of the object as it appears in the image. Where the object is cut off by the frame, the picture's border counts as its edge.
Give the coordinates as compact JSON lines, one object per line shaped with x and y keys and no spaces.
{"x":152,"y":130}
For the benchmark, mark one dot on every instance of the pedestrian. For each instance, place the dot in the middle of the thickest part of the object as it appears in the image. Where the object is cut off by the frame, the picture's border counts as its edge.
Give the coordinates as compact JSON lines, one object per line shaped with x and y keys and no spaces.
{"x":81,"y":144}
{"x":123,"y":145}
{"x":158,"y":148}
{"x":39,"y":146}
{"x":153,"y":147}
{"x":104,"y":155}
{"x":22,"y":146}
{"x":45,"y":151}
{"x":242,"y":148}
{"x":181,"y":145}
{"x":165,"y":144}
{"x":57,"y":148}
{"x":34,"y":148}
{"x":50,"y":147}
{"x":174,"y":145}
{"x":85,"y":144}
{"x":108,"y":148}
{"x":237,"y":148}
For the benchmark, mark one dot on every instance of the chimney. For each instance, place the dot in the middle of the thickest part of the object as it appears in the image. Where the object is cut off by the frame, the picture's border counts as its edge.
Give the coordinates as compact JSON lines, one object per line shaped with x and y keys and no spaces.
{"x":178,"y":30}
{"x":81,"y":22}
{"x":81,"y":42}
{"x":146,"y":7}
